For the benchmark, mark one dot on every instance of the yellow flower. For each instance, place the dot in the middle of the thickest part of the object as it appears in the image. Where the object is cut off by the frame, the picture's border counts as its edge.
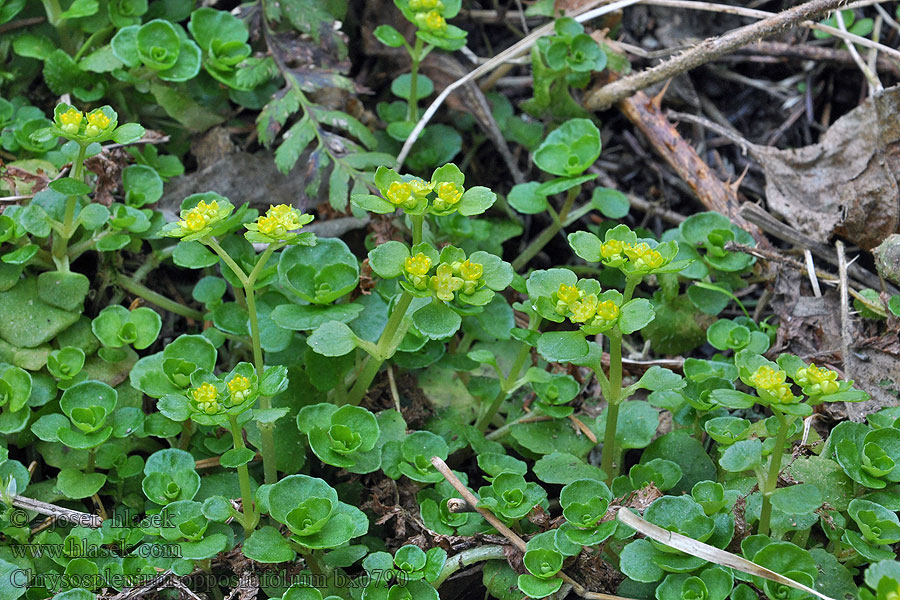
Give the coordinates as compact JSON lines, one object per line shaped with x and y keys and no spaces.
{"x":421,"y":188}
{"x":444,"y":283}
{"x":432,"y":4}
{"x":434,"y":21}
{"x":71,"y":120}
{"x":448,"y":194}
{"x":607,"y":310}
{"x":206,"y":398}
{"x":773,"y":382}
{"x":612,"y":249}
{"x":239,"y":389}
{"x":97,"y":122}
{"x":279,"y":220}
{"x":817,"y":381}
{"x":417,"y":265}
{"x":471,"y":271}
{"x":584,"y":310}
{"x":568,"y":294}
{"x":636,"y":251}
{"x":767,"y":378}
{"x":200,"y":216}
{"x":400,"y":193}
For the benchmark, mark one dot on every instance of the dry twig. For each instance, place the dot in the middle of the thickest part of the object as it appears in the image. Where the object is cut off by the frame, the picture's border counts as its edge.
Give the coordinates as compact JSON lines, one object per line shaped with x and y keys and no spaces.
{"x":706,"y":51}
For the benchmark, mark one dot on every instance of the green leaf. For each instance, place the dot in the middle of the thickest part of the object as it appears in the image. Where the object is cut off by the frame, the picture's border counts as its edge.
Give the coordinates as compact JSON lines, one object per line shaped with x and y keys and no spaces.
{"x":586,"y":245}
{"x":193,"y":255}
{"x":75,"y":485}
{"x":401,"y":86}
{"x":658,"y":378}
{"x":742,"y":456}
{"x":612,"y":203}
{"x":475,"y":201}
{"x":436,"y":320}
{"x":128,"y":133}
{"x":562,"y":346}
{"x":267,"y":545}
{"x":525,"y":198}
{"x":569,"y":149}
{"x":563,"y":468}
{"x":388,"y":36}
{"x":797,"y":499}
{"x":70,"y":186}
{"x":332,"y":339}
{"x":237,"y":457}
{"x":635,"y":315}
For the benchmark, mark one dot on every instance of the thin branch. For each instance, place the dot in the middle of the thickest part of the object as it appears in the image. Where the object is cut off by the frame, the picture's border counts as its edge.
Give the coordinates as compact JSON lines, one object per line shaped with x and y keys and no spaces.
{"x":508,"y":533}
{"x":871,"y":77}
{"x":713,"y":48}
{"x":521,"y":47}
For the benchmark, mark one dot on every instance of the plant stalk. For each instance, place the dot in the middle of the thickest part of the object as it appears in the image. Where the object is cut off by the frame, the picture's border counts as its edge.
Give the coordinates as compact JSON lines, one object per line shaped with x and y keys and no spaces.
{"x":386,"y":347}
{"x":609,"y":463}
{"x":467,"y":558}
{"x":60,"y":247}
{"x":765,"y":514}
{"x":250,"y":517}
{"x":549,"y":232}
{"x":139,"y":289}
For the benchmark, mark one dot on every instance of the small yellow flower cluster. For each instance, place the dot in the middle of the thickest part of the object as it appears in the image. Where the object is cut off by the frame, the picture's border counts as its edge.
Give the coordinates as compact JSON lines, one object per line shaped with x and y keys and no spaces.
{"x":206,"y":398}
{"x":459,"y":276}
{"x":429,"y":14}
{"x":406,"y":194}
{"x":200,"y":216}
{"x":641,"y":255}
{"x":817,"y":381}
{"x":444,"y":283}
{"x":73,"y":120}
{"x":448,"y":195}
{"x":774,"y":383}
{"x":279,"y":220}
{"x":585,"y":308}
{"x":239,"y":389}
{"x":97,"y":122}
{"x":417,"y":268}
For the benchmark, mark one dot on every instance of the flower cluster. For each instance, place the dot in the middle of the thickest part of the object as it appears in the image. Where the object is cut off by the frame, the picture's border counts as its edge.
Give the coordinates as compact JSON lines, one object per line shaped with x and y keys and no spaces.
{"x":429,"y":15}
{"x":771,"y":385}
{"x":239,"y":388}
{"x":71,"y":122}
{"x":279,"y":224}
{"x":201,"y":219}
{"x":817,"y":381}
{"x":408,"y":194}
{"x":617,"y":253}
{"x":597,"y":312}
{"x":205,"y":399}
{"x":444,"y":194}
{"x":463,"y":276}
{"x":200,"y":216}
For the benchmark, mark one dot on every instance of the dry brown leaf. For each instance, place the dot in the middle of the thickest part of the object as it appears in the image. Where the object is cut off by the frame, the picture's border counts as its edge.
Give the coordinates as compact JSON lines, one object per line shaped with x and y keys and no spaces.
{"x":844,"y":185}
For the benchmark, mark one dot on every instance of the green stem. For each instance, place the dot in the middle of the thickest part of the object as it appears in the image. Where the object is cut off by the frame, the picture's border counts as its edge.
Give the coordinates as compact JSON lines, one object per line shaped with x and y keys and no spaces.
{"x":236,"y":269}
{"x":60,"y":247}
{"x":386,"y":347}
{"x":417,"y":222}
{"x":250,"y":517}
{"x":466,"y":558}
{"x":267,"y":436}
{"x":100,"y":33}
{"x":609,"y":463}
{"x":139,"y":289}
{"x":765,"y":515}
{"x":415,"y":57}
{"x":507,"y":382}
{"x":549,"y":233}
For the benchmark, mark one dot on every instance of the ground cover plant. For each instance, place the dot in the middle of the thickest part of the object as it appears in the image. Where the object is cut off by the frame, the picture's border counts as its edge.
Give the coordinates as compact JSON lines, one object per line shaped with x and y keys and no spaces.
{"x":421,"y":379}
